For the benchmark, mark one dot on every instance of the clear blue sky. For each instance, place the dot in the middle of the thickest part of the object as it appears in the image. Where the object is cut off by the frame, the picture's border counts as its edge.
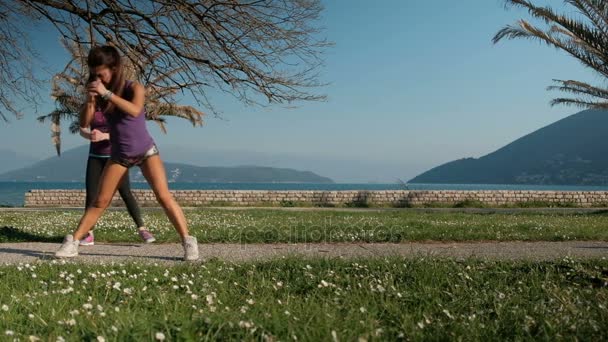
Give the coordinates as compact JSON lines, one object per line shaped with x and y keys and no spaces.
{"x":413,"y":84}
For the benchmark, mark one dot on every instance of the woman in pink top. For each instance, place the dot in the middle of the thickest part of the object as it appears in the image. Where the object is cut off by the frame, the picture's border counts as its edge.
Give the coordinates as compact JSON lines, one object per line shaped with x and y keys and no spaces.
{"x":122,"y":102}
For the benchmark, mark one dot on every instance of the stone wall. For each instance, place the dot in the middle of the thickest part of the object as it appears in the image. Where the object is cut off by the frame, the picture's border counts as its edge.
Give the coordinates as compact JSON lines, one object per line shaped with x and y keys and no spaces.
{"x":395,"y":198}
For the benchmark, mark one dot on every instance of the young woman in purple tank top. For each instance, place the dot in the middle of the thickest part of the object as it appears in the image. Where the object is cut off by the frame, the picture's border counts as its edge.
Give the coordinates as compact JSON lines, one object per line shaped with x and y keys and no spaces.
{"x":96,"y":129}
{"x":131,"y":145}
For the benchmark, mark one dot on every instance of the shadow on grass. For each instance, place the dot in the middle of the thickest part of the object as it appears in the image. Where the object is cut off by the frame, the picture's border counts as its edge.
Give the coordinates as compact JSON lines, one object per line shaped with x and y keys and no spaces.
{"x":601,"y":212}
{"x":12,"y":234}
{"x":27,"y":252}
{"x":50,"y":256}
{"x":83,"y":253}
{"x":592,"y":247}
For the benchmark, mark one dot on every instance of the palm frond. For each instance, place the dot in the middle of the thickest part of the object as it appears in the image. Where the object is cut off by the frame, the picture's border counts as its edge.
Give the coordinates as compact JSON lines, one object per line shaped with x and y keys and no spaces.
{"x":161,"y":123}
{"x":57,"y":113}
{"x":581,"y":88}
{"x":68,"y":89}
{"x":74,"y":127}
{"x":582,"y":103}
{"x":193,"y":115}
{"x":56,"y":133}
{"x":584,"y":39}
{"x":596,"y":11}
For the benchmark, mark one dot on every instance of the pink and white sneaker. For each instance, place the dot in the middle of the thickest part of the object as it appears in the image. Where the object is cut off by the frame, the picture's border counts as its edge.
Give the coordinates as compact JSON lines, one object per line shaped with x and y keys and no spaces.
{"x":145,"y":235}
{"x":88,"y":240}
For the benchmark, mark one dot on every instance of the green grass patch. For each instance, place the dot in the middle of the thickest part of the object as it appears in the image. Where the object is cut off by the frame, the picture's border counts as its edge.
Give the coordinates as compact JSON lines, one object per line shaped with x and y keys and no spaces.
{"x":267,"y":225}
{"x":307,"y":300}
{"x":470,"y":203}
{"x":543,"y":204}
{"x":365,"y":203}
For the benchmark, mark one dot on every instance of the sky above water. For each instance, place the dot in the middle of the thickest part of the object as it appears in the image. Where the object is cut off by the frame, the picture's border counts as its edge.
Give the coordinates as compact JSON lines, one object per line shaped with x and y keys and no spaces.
{"x":412,"y":84}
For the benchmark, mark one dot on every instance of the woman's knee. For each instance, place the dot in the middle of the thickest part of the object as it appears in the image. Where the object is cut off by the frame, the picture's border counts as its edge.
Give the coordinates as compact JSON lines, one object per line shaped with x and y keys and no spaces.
{"x":165,"y":199}
{"x":102,"y":202}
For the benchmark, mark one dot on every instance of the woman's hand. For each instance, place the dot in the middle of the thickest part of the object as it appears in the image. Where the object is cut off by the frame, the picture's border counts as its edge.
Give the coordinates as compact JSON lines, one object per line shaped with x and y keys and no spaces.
{"x":96,"y":88}
{"x":84,"y":132}
{"x":97,"y":135}
{"x":91,"y":98}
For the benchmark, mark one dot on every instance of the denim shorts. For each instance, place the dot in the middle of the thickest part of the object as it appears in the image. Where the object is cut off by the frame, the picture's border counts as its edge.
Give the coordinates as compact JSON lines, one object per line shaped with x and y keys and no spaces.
{"x":129,"y":162}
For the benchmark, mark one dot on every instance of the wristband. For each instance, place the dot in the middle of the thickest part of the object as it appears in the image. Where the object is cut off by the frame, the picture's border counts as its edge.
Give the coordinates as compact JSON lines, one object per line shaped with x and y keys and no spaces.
{"x":107,"y":95}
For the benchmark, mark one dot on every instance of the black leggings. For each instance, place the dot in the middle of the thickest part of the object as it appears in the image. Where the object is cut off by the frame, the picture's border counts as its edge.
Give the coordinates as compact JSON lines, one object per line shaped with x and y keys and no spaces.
{"x":94,"y":169}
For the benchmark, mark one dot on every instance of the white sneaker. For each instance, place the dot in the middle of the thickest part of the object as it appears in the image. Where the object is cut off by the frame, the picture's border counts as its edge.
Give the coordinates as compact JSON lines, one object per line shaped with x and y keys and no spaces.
{"x":190,"y":248}
{"x":69,"y":248}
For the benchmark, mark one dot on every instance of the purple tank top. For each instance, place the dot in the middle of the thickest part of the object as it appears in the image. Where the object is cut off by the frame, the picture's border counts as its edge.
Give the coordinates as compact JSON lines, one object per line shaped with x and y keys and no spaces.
{"x":129,"y":136}
{"x":101,"y":148}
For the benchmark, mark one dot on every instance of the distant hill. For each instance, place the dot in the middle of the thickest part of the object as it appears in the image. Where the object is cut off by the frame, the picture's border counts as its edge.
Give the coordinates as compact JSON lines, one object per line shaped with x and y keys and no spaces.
{"x":340,"y":169}
{"x":10,"y":160}
{"x":70,"y":167}
{"x":337,"y":168}
{"x":571,"y":151}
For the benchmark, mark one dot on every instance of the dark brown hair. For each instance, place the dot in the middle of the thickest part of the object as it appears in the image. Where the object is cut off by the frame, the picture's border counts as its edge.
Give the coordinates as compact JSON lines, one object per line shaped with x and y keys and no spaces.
{"x":108,"y":56}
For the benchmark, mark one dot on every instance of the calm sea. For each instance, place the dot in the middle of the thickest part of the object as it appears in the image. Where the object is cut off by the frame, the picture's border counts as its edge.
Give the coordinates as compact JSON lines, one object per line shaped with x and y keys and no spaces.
{"x":12,"y":193}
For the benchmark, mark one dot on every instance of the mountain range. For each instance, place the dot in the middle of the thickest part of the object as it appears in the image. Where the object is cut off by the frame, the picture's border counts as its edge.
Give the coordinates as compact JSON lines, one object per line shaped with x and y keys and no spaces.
{"x":11,"y":160}
{"x":571,"y":151}
{"x":71,"y":165}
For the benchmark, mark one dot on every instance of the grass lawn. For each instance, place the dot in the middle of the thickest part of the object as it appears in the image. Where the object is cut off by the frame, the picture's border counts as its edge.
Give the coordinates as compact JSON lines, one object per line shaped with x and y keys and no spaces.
{"x":307,"y":300}
{"x":263,"y":225}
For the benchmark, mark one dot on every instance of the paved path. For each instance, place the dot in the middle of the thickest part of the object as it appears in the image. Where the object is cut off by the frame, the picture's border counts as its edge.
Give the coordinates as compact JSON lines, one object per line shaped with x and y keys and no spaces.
{"x":27,"y":252}
{"x":426,"y":210}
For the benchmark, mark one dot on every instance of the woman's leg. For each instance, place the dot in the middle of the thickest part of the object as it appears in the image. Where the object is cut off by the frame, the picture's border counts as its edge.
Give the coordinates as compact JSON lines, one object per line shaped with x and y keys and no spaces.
{"x":127,"y":196}
{"x":154,"y":171}
{"x":110,"y":179}
{"x":94,"y":169}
